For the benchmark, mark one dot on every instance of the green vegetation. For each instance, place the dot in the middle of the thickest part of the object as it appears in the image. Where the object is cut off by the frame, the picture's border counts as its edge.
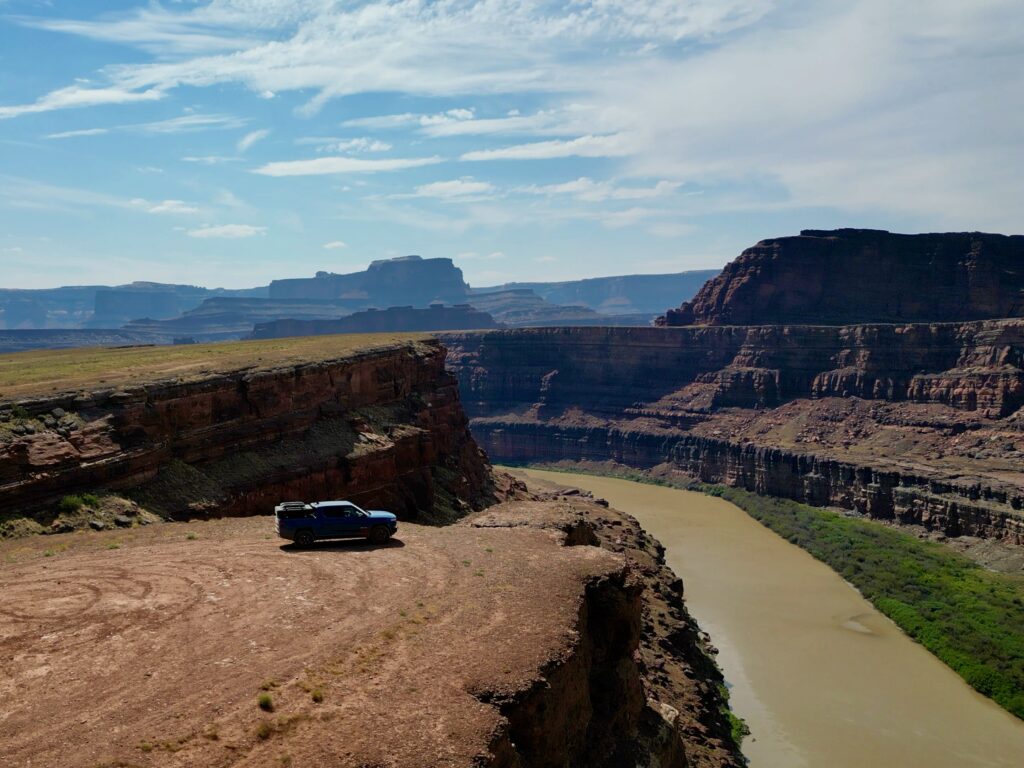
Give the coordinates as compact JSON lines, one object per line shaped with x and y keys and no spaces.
{"x":969,"y":617}
{"x":75,"y":502}
{"x":71,"y":504}
{"x":264,"y":730}
{"x":317,"y":695}
{"x":737,"y":726}
{"x":265,"y":702}
{"x":19,"y":412}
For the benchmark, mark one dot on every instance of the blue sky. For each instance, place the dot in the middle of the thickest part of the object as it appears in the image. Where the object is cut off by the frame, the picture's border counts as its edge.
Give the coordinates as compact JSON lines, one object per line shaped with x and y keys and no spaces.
{"x":231,"y":142}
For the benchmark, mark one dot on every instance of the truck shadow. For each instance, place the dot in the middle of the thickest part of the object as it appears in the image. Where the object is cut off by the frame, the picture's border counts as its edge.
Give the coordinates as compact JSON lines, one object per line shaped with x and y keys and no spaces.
{"x":343,"y":545}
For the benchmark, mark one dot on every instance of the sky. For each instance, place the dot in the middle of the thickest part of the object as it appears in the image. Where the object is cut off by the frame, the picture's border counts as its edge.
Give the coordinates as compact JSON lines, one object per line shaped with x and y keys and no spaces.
{"x":231,"y":142}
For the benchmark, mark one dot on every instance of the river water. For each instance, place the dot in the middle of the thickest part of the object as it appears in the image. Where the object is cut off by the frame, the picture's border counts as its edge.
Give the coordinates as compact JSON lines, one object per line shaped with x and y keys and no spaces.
{"x":822,"y":679}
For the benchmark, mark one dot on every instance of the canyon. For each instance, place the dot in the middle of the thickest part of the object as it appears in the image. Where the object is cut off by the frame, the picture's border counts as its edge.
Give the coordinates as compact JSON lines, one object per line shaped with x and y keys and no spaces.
{"x":537,"y":628}
{"x":917,"y":423}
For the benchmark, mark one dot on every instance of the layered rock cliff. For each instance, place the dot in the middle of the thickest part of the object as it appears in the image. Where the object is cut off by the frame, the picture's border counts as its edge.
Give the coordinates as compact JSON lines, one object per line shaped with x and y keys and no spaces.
{"x":383,"y":426}
{"x":922,"y":423}
{"x":864,"y":276}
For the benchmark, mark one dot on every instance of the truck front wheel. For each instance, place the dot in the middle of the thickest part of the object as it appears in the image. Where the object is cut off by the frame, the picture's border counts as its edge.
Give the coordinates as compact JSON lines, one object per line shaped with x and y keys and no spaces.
{"x":379,"y":534}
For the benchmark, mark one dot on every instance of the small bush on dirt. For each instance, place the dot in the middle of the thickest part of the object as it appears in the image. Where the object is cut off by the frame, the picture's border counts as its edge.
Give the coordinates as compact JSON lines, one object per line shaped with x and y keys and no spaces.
{"x":317,"y":695}
{"x":71,"y":503}
{"x":90,"y":500}
{"x":192,"y":536}
{"x":266,"y":702}
{"x":264,"y":730}
{"x":19,"y":412}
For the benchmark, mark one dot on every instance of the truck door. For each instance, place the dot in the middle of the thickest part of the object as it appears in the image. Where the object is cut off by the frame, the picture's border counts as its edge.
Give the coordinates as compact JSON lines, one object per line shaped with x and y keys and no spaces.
{"x":341,"y":520}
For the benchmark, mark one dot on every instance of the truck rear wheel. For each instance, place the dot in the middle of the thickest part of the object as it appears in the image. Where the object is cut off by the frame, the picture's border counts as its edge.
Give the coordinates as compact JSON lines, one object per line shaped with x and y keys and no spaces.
{"x":379,"y":534}
{"x":304,"y":538}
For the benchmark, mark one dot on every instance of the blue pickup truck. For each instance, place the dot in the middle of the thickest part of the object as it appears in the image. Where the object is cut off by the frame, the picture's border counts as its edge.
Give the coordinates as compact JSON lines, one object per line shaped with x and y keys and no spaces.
{"x":305,"y":523}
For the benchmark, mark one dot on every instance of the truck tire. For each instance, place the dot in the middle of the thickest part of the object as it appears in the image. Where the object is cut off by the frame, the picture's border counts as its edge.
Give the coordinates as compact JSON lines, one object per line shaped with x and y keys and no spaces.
{"x":379,"y":534}
{"x":304,"y":538}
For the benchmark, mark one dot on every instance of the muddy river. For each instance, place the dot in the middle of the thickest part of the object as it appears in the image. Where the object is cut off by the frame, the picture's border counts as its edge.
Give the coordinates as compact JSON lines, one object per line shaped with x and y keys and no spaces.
{"x":821,"y":677}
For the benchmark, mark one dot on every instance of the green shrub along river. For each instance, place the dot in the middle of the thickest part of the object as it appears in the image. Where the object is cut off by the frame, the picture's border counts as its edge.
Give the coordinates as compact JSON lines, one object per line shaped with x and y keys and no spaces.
{"x":969,"y":617}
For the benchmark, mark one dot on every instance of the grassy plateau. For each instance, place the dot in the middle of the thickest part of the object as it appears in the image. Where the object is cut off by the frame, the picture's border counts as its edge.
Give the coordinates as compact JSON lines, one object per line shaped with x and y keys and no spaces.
{"x":43,"y":372}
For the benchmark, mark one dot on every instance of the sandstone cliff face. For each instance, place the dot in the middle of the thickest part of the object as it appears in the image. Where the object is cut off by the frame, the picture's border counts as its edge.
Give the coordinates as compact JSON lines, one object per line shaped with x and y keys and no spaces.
{"x":916,"y":422}
{"x":384,"y":428}
{"x":639,"y":686}
{"x":860,"y":276}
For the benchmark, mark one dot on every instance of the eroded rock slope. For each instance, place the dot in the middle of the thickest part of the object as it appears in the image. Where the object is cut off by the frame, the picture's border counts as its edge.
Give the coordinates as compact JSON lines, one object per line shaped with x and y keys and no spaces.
{"x":917,"y":422}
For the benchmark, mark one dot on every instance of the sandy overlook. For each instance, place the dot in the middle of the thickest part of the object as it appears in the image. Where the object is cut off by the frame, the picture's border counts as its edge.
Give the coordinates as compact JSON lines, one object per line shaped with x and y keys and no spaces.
{"x":155,"y":653}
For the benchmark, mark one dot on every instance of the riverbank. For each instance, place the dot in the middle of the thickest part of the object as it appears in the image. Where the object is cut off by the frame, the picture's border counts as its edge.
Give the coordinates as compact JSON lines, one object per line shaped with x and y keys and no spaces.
{"x":821,"y":677}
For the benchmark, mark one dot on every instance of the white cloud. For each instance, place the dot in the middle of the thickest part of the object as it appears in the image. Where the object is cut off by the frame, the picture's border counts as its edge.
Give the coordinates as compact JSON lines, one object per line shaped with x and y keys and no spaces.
{"x":407,"y":119}
{"x":251,"y":138}
{"x":588,"y":190}
{"x":190,"y":123}
{"x":173,"y":206}
{"x":331,"y":165}
{"x":227,"y":231}
{"x":76,"y":96}
{"x":208,"y":159}
{"x":338,"y":145}
{"x":914,"y":115}
{"x":615,"y":145}
{"x":82,"y":132}
{"x":335,"y":245}
{"x":455,"y":189}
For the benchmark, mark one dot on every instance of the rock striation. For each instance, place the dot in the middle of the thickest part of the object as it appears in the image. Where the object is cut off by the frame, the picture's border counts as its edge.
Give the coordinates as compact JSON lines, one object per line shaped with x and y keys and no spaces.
{"x":383,"y":426}
{"x":864,"y":276}
{"x":921,"y":423}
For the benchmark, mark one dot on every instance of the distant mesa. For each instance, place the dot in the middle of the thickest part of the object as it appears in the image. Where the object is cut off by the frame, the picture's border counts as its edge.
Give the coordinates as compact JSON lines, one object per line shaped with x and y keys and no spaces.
{"x":410,"y":280}
{"x":159,"y":313}
{"x":436,"y":317}
{"x":113,"y":307}
{"x":229,"y":317}
{"x":843,"y":276}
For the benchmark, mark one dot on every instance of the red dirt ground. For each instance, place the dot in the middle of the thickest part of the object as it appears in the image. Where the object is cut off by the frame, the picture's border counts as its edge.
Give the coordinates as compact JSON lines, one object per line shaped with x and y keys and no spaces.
{"x":154,"y":653}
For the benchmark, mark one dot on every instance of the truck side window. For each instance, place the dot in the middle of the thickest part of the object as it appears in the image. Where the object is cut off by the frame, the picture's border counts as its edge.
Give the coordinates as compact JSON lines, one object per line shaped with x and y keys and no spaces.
{"x":338,"y":510}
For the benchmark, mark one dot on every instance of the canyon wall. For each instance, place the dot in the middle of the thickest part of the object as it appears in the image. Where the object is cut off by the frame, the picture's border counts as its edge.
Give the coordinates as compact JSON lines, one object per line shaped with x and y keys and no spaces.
{"x":383,"y":427}
{"x":916,"y":422}
{"x":861,"y":276}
